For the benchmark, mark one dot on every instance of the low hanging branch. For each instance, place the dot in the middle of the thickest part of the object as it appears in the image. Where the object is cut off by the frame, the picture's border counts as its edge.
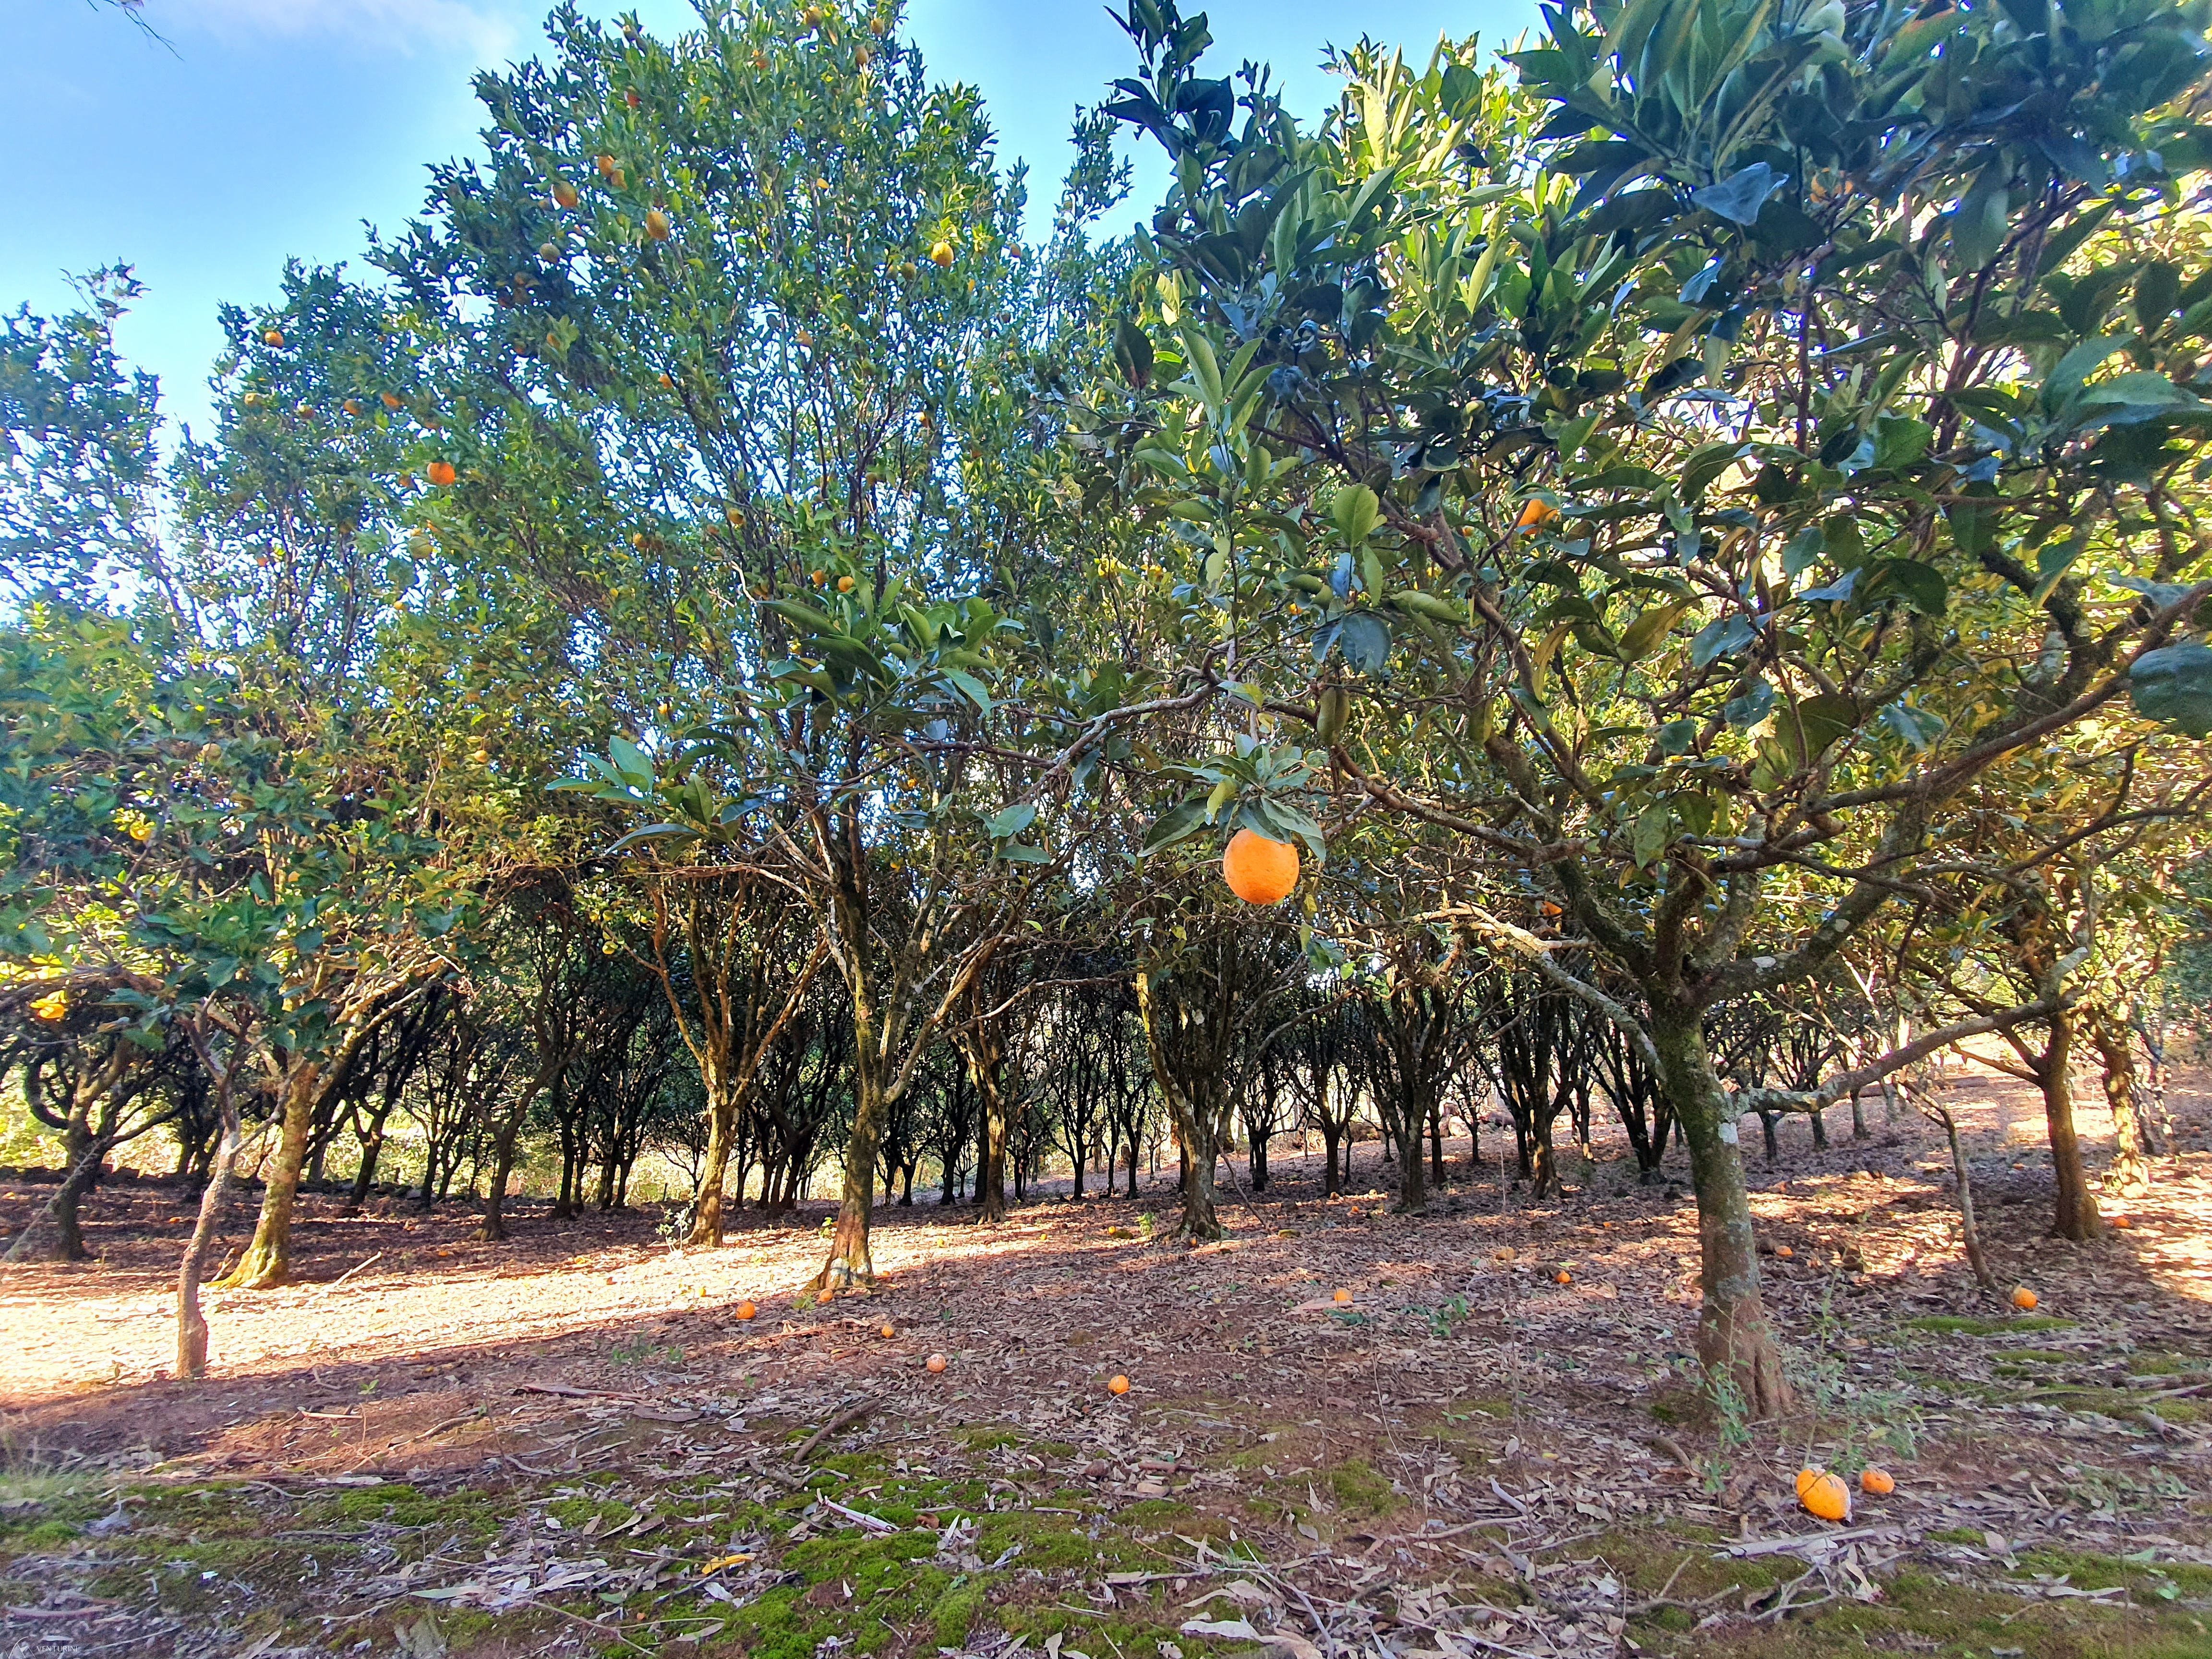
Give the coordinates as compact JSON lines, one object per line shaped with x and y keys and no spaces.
{"x":1819,"y":1099}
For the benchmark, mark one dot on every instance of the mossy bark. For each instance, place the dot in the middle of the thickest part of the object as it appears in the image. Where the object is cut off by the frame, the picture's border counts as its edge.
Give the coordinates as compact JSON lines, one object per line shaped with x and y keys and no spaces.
{"x":1735,"y":1342}
{"x":268,"y":1258}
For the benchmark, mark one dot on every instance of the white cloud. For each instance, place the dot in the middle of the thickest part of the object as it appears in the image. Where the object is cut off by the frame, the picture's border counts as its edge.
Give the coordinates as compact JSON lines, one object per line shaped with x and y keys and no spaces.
{"x":488,"y":30}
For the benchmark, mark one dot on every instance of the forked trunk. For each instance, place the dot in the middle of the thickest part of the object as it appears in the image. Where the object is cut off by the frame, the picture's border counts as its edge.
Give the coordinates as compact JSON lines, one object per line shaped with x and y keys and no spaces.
{"x":1735,"y":1344}
{"x":268,"y":1258}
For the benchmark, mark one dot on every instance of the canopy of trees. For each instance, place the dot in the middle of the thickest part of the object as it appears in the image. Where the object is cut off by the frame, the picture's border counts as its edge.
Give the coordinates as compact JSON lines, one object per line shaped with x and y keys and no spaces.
{"x":713,"y":646}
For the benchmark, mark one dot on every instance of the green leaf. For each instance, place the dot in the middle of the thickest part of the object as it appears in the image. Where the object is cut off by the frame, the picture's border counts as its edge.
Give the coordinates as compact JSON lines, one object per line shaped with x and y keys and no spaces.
{"x":1179,"y":823}
{"x":1355,"y":511}
{"x":1132,"y":353}
{"x":1741,"y":195}
{"x":970,"y":687}
{"x":1655,"y":828}
{"x":656,"y":832}
{"x":2172,"y":685}
{"x":1808,"y":728}
{"x":1011,"y":821}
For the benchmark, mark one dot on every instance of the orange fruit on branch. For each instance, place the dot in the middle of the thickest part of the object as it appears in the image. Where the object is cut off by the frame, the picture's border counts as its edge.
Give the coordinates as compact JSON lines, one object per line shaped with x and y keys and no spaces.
{"x":607,"y":169}
{"x":2025,"y":1300}
{"x":392,"y":400}
{"x":1117,"y":1385}
{"x":1877,"y":1482}
{"x":1260,"y":870}
{"x":564,"y":193}
{"x":1536,"y":515}
{"x":940,"y":255}
{"x":656,"y":224}
{"x":275,"y":337}
{"x":442,"y":473}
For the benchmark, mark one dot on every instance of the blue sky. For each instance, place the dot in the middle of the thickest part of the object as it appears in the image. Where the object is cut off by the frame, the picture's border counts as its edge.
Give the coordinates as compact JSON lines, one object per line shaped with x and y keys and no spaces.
{"x":273,"y":127}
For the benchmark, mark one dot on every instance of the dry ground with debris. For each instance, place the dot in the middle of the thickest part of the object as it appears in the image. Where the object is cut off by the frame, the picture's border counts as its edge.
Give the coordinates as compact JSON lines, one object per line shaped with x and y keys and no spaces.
{"x":570,"y":1443}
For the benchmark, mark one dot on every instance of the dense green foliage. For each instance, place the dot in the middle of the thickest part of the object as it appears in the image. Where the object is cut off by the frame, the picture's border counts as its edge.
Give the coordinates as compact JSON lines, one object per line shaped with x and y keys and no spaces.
{"x":1693,"y":529}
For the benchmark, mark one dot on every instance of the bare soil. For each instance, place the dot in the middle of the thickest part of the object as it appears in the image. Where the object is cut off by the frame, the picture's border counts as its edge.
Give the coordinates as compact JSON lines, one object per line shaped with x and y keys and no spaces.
{"x":430,"y":1444}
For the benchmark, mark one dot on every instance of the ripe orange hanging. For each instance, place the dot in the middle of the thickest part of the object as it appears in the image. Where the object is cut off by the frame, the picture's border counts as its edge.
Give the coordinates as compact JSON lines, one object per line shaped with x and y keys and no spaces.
{"x":442,"y":473}
{"x":275,"y":337}
{"x":1260,"y":870}
{"x":1824,"y":1495}
{"x":656,"y":224}
{"x":940,"y":255}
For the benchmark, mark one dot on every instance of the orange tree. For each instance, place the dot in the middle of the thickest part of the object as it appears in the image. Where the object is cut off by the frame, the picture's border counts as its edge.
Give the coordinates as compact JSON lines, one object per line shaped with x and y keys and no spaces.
{"x":762,"y":370}
{"x":1707,"y":458}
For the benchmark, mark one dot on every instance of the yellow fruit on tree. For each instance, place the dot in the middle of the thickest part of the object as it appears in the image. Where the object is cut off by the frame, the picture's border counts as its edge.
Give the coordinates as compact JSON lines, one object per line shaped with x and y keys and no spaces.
{"x":940,"y":254}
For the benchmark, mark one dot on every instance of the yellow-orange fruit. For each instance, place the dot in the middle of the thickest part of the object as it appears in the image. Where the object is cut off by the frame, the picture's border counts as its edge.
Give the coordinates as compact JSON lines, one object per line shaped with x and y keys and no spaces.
{"x":844,"y":584}
{"x":1260,"y":870}
{"x":656,"y":224}
{"x":1117,"y":1385}
{"x":887,"y":1331}
{"x":442,"y":473}
{"x":606,"y":164}
{"x":1824,"y":1494}
{"x":938,"y":1362}
{"x":746,"y":1311}
{"x":275,"y":337}
{"x":940,"y":255}
{"x":1343,"y":1296}
{"x":2121,"y":1222}
{"x":391,"y":400}
{"x":2025,"y":1300}
{"x":1536,"y":515}
{"x":1877,"y":1482}
{"x":564,"y":193}
{"x":1785,"y":1251}
{"x":1564,"y":1277}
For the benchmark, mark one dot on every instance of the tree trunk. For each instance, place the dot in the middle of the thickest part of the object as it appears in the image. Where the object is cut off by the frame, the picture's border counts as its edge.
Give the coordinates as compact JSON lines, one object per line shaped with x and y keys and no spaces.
{"x":1971,"y":1233}
{"x":2130,"y":1168}
{"x":2077,"y":1217}
{"x":850,"y":1262}
{"x":1436,"y":1143}
{"x":706,"y":1208}
{"x":1543,"y":1161}
{"x":268,"y":1258}
{"x":372,"y":1151}
{"x":1735,"y":1344}
{"x":191,"y":1323}
{"x":1195,"y":1124}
